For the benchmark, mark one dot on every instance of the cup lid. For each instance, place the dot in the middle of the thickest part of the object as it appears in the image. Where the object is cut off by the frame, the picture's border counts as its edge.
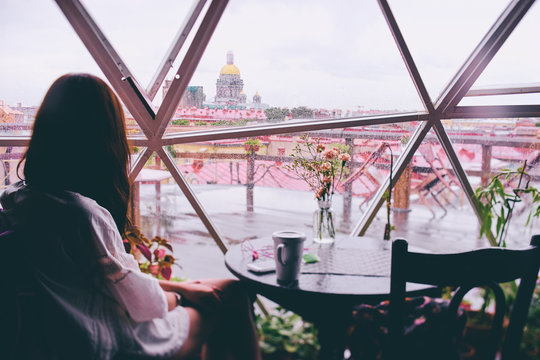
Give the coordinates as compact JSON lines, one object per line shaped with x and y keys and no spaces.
{"x":289,"y":234}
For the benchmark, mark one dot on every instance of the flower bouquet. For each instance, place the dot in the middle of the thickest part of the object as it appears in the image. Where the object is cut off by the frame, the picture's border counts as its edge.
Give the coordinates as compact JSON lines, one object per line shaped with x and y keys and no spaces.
{"x":322,"y":169}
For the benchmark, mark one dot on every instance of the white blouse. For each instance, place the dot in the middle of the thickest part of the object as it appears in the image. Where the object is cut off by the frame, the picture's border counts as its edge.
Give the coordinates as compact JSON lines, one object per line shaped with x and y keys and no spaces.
{"x":130,"y":315}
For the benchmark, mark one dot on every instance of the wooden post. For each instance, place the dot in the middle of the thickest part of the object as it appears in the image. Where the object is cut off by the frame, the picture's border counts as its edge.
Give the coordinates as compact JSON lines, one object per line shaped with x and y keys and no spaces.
{"x":347,"y":193}
{"x":135,"y":211}
{"x":250,"y":174}
{"x":402,"y":190}
{"x":486,"y":164}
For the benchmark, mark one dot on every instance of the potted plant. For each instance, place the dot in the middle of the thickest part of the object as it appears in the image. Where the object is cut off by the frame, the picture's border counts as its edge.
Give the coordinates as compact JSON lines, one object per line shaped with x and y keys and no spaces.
{"x":154,"y":255}
{"x":497,"y":200}
{"x":495,"y":203}
{"x":283,"y":335}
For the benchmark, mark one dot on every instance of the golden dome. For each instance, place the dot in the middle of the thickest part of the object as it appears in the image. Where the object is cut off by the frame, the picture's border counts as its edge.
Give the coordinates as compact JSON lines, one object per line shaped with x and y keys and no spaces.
{"x":229,"y":69}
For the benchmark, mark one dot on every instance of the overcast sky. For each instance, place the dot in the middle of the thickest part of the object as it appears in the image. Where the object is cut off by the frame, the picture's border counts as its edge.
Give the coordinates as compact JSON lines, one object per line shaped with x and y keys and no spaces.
{"x":321,"y":54}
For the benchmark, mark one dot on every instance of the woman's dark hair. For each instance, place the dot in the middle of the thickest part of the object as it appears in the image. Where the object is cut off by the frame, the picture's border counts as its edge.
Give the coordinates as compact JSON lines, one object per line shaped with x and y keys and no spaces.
{"x":79,"y":144}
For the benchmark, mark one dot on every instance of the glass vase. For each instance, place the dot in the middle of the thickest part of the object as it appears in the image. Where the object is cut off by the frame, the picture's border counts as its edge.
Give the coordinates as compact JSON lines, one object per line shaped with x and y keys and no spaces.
{"x":323,"y":223}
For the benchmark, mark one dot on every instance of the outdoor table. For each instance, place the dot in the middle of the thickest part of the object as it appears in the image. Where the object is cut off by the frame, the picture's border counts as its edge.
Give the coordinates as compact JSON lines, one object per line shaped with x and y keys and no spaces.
{"x":350,"y":272}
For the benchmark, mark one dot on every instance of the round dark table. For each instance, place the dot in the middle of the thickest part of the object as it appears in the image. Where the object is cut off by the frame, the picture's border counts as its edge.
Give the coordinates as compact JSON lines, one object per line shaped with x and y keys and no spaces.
{"x":350,"y":272}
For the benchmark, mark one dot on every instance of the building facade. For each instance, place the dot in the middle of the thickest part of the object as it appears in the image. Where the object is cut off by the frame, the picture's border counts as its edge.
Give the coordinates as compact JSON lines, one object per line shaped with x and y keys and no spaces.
{"x":229,"y":85}
{"x":8,"y":115}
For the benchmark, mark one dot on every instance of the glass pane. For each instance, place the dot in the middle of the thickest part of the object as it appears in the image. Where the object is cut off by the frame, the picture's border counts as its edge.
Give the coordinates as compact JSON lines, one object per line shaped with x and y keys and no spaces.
{"x":517,"y":99}
{"x":338,"y":60}
{"x":140,"y":31}
{"x":441,"y":34}
{"x":517,"y":60}
{"x":164,"y":211}
{"x":39,"y":45}
{"x":486,"y":147}
{"x":429,"y":209}
{"x":249,"y":190}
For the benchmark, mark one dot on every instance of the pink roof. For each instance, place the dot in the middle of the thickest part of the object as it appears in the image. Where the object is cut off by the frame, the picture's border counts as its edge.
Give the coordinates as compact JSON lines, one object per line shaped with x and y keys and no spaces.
{"x":220,"y":114}
{"x":267,"y":173}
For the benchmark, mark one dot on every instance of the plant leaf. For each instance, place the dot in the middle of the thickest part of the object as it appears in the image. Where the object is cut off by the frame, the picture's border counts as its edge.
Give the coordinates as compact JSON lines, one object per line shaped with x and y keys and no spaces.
{"x":145,"y":251}
{"x":166,"y":272}
{"x":168,"y":246}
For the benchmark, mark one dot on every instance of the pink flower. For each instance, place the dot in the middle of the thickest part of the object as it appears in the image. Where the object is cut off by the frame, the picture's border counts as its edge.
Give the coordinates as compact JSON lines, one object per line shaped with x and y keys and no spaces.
{"x":336,"y":150}
{"x":330,"y":154}
{"x":160,"y":253}
{"x":344,"y":157}
{"x":320,"y":148}
{"x":327,"y":179}
{"x":326,"y":166}
{"x":319,"y":193}
{"x":154,"y":268}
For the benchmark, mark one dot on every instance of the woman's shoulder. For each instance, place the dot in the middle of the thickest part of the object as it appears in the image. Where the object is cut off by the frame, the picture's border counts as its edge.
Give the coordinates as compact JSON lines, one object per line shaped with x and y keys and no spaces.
{"x":23,"y":199}
{"x":96,"y":214}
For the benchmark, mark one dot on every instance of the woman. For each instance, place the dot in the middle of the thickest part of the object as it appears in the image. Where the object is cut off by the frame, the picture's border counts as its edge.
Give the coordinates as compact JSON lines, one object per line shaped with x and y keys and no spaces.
{"x":70,"y":213}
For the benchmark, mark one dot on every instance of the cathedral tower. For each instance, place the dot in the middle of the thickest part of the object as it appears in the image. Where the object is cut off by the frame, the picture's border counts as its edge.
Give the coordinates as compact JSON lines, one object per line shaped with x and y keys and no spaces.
{"x":229,"y":86}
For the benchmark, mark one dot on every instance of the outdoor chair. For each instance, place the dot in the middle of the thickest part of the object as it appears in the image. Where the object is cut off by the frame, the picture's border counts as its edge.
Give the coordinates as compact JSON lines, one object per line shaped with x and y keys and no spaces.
{"x":439,"y":181}
{"x":367,"y":184}
{"x":484,"y":267}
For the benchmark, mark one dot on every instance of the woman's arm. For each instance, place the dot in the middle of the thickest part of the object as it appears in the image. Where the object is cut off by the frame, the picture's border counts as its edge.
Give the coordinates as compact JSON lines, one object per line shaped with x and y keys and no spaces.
{"x":172,"y":301}
{"x":194,"y":293}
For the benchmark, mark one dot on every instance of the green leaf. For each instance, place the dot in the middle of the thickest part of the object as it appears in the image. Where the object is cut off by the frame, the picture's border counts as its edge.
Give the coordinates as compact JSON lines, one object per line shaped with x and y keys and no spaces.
{"x":267,"y":348}
{"x":290,"y":347}
{"x":285,"y":332}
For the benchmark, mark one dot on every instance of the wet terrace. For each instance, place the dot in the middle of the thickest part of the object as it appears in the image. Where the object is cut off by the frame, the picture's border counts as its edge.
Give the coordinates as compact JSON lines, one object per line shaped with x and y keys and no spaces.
{"x":279,"y":209}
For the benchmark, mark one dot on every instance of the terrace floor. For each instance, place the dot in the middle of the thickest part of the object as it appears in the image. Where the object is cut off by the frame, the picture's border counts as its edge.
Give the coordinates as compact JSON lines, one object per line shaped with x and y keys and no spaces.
{"x":279,"y":209}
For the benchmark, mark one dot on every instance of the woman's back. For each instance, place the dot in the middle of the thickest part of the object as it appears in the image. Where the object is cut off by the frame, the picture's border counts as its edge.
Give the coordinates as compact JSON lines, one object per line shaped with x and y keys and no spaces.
{"x":89,"y":290}
{"x":56,"y":272}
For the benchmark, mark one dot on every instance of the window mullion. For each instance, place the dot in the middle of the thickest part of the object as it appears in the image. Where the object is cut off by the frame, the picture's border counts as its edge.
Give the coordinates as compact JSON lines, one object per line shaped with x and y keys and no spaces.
{"x":108,"y":60}
{"x":400,"y":165}
{"x":192,"y":198}
{"x":174,"y":49}
{"x":482,"y":55}
{"x":189,"y":65}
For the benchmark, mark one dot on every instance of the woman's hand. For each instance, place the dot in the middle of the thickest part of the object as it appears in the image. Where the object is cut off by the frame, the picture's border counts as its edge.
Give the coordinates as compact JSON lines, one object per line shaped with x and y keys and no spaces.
{"x":195,"y":294}
{"x":200,"y":295}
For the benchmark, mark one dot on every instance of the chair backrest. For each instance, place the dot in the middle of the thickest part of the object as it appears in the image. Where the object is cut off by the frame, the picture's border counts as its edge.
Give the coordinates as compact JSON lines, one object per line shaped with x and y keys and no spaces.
{"x":467,"y":270}
{"x":36,"y":326}
{"x":377,"y":153}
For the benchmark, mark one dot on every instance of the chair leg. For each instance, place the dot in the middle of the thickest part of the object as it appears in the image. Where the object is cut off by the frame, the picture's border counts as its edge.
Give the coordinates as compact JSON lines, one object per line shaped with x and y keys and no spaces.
{"x":426,"y":204}
{"x":434,"y":196}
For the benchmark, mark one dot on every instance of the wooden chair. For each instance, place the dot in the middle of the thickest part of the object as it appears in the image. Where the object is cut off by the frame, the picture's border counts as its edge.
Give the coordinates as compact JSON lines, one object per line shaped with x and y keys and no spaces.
{"x":439,"y":181}
{"x":467,"y":270}
{"x":364,"y":178}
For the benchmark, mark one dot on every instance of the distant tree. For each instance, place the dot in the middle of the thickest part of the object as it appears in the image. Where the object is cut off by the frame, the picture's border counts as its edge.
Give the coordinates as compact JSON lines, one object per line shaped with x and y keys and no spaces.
{"x":171,"y":150}
{"x":302,"y":112}
{"x":181,"y":122}
{"x":276,"y":113}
